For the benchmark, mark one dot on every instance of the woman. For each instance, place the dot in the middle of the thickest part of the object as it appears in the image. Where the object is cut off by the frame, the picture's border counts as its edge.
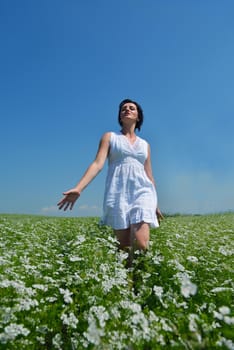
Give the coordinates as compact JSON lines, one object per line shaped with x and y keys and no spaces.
{"x":130,"y":200}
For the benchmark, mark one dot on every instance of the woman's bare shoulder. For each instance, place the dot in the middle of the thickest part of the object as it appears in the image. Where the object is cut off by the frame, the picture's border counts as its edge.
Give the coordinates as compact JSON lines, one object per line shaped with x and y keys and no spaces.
{"x":106,"y":136}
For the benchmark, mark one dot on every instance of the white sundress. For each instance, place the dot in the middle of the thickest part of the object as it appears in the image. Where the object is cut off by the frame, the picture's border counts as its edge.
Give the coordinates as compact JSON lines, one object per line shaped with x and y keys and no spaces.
{"x":130,"y":196}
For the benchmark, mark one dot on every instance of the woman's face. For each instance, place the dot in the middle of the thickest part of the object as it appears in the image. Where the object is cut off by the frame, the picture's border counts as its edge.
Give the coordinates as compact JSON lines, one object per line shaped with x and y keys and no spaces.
{"x":129,"y":111}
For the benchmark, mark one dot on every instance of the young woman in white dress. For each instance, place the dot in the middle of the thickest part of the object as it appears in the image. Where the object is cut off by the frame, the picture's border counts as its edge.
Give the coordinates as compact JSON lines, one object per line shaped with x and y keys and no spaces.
{"x":130,"y":199}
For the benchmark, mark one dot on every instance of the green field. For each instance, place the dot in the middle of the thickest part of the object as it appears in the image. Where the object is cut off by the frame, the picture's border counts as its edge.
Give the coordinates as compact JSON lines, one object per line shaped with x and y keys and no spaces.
{"x":64,"y":285}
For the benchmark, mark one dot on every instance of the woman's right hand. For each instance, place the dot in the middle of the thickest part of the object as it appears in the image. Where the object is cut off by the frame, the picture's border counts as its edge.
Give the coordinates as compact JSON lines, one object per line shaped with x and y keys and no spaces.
{"x":69,"y":199}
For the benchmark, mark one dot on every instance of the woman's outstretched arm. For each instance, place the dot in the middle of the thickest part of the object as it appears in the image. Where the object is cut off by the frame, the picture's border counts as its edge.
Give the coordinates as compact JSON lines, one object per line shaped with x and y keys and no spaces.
{"x":70,"y":196}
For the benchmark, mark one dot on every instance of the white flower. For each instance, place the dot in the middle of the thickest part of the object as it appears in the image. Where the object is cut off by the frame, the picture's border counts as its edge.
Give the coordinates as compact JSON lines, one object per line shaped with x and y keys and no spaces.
{"x":169,"y":244}
{"x":158,"y":291}
{"x":51,"y":299}
{"x":75,"y":258}
{"x":122,"y":256}
{"x":224,"y":310}
{"x":226,"y":342}
{"x":41,"y":340}
{"x":130,"y":305}
{"x":69,"y":320}
{"x":165,"y":326}
{"x":12,"y":331}
{"x":157,"y":259}
{"x":57,"y":341}
{"x":139,"y":318}
{"x":93,"y":334}
{"x":220,"y":289}
{"x":228,"y":320}
{"x":222,"y":315}
{"x":192,"y":259}
{"x":226,"y":252}
{"x":218,"y":315}
{"x":26,"y":304}
{"x":193,"y":326}
{"x":41,"y":287}
{"x":187,"y":287}
{"x":153,"y":317}
{"x":80,"y":240}
{"x":178,"y":266}
{"x":66,"y":295}
{"x":108,"y":283}
{"x":215,"y":325}
{"x":115,"y":312}
{"x":192,"y":322}
{"x":101,"y":314}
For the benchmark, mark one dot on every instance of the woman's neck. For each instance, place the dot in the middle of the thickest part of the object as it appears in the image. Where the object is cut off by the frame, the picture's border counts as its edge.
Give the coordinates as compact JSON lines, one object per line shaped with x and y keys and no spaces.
{"x":129,"y":131}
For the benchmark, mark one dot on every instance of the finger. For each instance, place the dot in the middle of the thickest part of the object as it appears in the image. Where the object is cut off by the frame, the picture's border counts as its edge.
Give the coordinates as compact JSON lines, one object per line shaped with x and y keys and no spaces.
{"x":63,"y":206}
{"x":72,"y":205}
{"x":60,"y":202}
{"x":160,"y":215}
{"x":66,"y":206}
{"x":60,"y":205}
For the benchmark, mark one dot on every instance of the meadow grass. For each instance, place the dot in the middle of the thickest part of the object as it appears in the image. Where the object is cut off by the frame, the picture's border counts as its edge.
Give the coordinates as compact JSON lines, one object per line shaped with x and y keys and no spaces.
{"x":64,"y":285}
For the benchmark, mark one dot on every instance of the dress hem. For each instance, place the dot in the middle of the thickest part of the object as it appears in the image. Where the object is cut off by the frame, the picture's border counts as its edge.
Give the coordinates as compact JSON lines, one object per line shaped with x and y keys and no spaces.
{"x":153,"y":224}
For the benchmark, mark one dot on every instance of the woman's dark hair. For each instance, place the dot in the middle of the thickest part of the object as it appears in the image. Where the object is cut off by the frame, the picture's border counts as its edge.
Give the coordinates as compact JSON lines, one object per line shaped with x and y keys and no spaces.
{"x":139,"y":110}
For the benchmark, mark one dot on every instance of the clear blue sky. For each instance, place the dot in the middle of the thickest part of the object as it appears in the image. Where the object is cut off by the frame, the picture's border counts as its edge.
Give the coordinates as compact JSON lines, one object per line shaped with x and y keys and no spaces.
{"x":66,"y":65}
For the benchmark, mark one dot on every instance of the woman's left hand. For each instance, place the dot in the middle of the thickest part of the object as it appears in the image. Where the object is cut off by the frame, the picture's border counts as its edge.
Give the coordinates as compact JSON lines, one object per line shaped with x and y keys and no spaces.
{"x":159,"y":215}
